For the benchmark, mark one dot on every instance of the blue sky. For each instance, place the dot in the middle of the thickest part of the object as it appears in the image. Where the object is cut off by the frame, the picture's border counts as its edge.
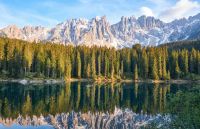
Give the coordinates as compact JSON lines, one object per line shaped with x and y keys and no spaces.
{"x":51,"y":12}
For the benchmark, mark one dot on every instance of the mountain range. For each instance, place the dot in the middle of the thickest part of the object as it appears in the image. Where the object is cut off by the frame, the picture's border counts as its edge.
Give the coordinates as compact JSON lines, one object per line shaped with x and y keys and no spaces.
{"x":98,"y":31}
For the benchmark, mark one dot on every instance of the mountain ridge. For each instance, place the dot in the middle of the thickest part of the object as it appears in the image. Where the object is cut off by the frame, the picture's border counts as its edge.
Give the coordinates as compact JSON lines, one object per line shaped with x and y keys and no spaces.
{"x":145,"y":30}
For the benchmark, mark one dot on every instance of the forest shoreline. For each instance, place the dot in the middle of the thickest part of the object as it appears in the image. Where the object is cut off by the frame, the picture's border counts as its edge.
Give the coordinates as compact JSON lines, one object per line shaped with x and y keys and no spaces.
{"x":26,"y":81}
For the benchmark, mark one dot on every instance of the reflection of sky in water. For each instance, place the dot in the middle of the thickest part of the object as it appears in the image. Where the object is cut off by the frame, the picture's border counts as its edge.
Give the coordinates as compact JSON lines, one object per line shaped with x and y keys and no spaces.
{"x":15,"y":126}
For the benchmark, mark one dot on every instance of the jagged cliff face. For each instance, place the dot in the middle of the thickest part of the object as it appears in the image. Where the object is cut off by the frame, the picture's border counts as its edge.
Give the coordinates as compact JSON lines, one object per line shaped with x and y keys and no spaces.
{"x":144,"y":30}
{"x":98,"y":31}
{"x":120,"y":119}
{"x":27,"y":33}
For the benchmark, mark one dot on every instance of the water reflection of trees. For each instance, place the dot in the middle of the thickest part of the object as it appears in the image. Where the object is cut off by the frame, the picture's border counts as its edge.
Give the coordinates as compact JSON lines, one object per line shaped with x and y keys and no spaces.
{"x":36,"y":100}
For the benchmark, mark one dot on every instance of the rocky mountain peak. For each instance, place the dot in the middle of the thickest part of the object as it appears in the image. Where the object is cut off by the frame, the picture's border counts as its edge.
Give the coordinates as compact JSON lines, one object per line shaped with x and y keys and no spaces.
{"x":98,"y":31}
{"x":12,"y":31}
{"x":178,"y":22}
{"x":128,"y":20}
{"x":196,"y":17}
{"x":149,"y":22}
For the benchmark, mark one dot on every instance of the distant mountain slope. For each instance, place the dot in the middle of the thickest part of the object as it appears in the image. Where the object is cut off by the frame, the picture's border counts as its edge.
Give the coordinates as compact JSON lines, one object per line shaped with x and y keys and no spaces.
{"x":98,"y":31}
{"x":182,"y":45}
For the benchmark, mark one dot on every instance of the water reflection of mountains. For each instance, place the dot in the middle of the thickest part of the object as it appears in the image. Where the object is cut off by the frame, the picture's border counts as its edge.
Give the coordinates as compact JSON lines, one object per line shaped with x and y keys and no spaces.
{"x":17,"y":99}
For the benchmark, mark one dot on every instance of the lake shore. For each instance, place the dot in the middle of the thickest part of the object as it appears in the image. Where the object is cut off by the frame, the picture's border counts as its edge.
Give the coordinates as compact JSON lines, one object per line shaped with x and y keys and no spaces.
{"x":178,"y":81}
{"x":25,"y":81}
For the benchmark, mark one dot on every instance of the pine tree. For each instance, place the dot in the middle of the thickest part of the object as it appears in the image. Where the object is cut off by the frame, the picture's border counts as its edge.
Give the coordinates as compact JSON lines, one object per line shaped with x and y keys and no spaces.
{"x":183,"y":61}
{"x":198,"y":63}
{"x":27,"y":58}
{"x":53,"y":64}
{"x":177,"y":70}
{"x":168,"y":75}
{"x":160,"y":65}
{"x":88,"y":72}
{"x":106,"y":66}
{"x":93,"y":65}
{"x":68,"y":67}
{"x":15,"y":67}
{"x":122,"y":69}
{"x":135,"y":77}
{"x":128,"y":61}
{"x":5,"y":56}
{"x":78,"y":65}
{"x":48,"y":66}
{"x":117,"y":65}
{"x":192,"y":61}
{"x":186,"y":67}
{"x":164,"y":68}
{"x":39,"y":61}
{"x":145,"y":65}
{"x":112,"y":72}
{"x":1,"y":55}
{"x":155,"y":70}
{"x":85,"y":62}
{"x":99,"y":65}
{"x":134,"y":59}
{"x":61,"y":66}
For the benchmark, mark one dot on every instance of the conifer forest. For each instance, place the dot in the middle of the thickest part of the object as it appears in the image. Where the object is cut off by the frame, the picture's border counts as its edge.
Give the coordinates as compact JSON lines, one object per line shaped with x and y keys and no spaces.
{"x":19,"y":59}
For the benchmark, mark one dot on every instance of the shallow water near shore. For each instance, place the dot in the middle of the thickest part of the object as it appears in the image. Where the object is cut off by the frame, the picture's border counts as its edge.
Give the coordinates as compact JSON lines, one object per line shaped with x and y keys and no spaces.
{"x":85,"y":104}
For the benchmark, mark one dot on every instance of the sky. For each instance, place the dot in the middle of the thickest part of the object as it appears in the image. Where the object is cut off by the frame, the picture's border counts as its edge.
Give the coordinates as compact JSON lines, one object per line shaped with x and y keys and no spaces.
{"x":48,"y":13}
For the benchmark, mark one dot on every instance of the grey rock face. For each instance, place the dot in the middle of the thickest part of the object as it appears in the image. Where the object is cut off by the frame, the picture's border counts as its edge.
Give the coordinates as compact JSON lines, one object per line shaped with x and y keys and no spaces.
{"x":98,"y":31}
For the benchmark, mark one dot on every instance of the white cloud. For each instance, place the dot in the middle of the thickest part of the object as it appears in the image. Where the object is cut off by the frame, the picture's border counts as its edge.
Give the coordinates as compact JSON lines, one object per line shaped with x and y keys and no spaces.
{"x":182,"y":8}
{"x":146,"y":11}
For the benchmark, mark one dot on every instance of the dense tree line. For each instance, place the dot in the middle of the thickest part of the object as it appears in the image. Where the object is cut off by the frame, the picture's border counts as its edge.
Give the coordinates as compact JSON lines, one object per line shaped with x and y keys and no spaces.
{"x":179,"y":45}
{"x":22,"y":59}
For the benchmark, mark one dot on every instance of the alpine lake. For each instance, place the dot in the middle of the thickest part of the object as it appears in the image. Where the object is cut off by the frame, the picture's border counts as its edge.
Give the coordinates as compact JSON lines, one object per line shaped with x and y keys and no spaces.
{"x":89,"y":105}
